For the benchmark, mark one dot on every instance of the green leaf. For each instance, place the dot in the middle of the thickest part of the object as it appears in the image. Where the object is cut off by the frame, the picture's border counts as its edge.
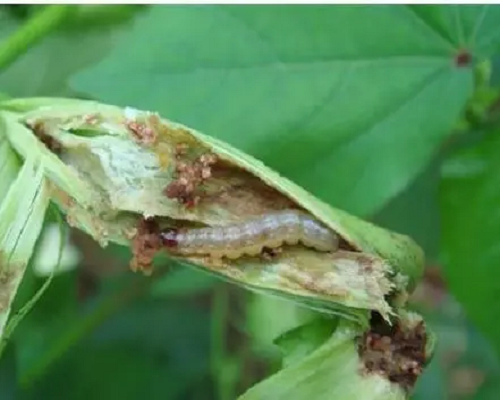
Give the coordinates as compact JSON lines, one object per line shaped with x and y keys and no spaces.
{"x":349,"y":102}
{"x":471,"y":26}
{"x":9,"y":163}
{"x":268,"y":317}
{"x":331,"y":371}
{"x":29,"y":147}
{"x":470,"y":199}
{"x":301,"y":341}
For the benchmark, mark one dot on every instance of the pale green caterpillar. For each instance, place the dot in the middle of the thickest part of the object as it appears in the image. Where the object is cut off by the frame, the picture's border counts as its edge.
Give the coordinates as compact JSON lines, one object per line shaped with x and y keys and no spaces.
{"x":252,"y":237}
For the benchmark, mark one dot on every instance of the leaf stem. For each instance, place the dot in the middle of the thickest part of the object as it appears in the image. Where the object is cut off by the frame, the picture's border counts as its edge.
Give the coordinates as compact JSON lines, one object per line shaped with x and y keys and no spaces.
{"x":37,"y":27}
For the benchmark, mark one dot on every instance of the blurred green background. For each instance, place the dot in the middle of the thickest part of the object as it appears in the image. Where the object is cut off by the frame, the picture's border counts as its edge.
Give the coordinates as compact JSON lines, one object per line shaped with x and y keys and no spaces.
{"x":363,"y":106}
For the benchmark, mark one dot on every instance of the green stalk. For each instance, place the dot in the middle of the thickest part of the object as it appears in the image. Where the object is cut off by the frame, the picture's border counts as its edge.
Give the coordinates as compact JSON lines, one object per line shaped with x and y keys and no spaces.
{"x":37,"y":27}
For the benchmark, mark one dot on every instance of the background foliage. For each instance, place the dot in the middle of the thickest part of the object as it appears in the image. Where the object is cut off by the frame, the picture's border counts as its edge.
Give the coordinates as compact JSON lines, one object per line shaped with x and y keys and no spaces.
{"x":385,"y":111}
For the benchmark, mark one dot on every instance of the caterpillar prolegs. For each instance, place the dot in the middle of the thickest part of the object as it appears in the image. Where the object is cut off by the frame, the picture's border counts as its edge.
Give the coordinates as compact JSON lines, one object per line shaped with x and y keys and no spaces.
{"x":253,"y":236}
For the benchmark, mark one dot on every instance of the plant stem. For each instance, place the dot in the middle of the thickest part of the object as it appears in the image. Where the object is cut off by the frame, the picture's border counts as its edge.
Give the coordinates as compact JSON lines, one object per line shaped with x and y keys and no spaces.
{"x":37,"y":27}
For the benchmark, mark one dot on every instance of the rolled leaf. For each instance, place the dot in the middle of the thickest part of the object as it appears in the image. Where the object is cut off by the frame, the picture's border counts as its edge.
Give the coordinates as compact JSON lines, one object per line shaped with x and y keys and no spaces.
{"x":124,"y":175}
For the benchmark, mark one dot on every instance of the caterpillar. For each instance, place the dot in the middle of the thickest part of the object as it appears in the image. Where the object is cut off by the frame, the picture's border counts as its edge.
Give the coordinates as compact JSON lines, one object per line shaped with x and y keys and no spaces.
{"x":252,"y":237}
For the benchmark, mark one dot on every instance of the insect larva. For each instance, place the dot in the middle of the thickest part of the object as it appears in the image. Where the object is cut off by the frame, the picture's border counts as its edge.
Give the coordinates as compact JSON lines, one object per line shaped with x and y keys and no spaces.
{"x":251,"y":237}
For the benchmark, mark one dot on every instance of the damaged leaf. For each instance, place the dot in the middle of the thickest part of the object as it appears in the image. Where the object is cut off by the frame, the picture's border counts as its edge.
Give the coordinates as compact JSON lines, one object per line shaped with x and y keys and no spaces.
{"x":22,"y":212}
{"x":137,"y":179}
{"x":328,"y":361}
{"x":9,"y":163}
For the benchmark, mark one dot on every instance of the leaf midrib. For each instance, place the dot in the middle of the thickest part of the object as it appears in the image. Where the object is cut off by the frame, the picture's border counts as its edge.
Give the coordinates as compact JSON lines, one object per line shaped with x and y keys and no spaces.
{"x":439,"y":61}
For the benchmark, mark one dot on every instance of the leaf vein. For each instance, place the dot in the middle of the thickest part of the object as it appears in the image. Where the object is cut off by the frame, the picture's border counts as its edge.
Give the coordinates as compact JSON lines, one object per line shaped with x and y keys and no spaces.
{"x":425,"y":22}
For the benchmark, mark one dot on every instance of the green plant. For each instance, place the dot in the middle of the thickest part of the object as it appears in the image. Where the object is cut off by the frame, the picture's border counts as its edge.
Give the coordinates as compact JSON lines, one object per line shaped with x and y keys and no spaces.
{"x":352,"y":103}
